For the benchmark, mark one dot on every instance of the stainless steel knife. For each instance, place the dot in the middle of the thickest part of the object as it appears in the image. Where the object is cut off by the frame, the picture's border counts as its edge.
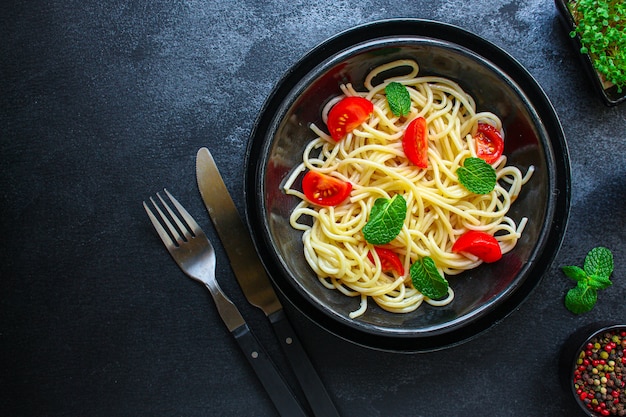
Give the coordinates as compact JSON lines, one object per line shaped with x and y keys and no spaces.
{"x":254,"y":281}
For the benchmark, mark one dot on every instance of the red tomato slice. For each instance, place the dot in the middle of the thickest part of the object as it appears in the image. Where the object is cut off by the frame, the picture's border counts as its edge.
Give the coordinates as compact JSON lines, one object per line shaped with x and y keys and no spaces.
{"x":389,"y":260}
{"x":480,"y":244}
{"x":489,"y":143}
{"x":415,"y":142}
{"x":324,"y":190}
{"x":347,"y":115}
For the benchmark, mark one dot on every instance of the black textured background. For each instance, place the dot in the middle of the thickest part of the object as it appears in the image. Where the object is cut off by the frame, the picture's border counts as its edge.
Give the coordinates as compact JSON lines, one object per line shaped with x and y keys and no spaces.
{"x":103,"y":103}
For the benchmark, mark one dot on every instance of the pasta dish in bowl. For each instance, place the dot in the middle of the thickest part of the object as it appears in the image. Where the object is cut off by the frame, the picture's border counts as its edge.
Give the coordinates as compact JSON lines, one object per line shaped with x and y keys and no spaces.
{"x":405,"y":191}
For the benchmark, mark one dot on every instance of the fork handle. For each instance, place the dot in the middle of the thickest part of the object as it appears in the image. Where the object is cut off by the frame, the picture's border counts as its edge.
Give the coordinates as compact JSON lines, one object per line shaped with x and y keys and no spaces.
{"x":278,"y":390}
{"x":310,"y":382}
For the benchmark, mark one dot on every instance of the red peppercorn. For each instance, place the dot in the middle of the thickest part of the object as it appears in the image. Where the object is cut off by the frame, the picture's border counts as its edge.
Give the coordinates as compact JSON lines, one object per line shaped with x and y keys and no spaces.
{"x":605,"y":412}
{"x":583,"y":395}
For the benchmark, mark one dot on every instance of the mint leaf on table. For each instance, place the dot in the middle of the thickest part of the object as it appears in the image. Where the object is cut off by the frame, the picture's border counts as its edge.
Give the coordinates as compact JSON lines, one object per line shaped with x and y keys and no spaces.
{"x":599,"y":261}
{"x":575,"y":272}
{"x":599,"y":282}
{"x":477,"y":176}
{"x":595,"y":275}
{"x":427,"y":279}
{"x":398,"y":98}
{"x":581,"y":298}
{"x":386,"y":220}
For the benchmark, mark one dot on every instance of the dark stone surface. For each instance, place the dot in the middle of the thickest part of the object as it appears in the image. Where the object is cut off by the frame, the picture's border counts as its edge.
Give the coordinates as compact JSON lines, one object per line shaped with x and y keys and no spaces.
{"x":104,"y":103}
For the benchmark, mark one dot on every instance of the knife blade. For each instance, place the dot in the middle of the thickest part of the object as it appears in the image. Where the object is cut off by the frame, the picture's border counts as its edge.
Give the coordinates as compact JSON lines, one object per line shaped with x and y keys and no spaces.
{"x":254,"y":282}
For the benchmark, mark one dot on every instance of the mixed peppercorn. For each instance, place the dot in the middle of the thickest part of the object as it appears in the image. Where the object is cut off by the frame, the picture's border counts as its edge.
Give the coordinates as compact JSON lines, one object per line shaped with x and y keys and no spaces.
{"x":600,"y":374}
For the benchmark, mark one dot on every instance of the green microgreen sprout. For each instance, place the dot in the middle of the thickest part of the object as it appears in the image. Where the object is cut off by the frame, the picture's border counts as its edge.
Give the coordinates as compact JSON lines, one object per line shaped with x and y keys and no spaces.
{"x":601,"y":27}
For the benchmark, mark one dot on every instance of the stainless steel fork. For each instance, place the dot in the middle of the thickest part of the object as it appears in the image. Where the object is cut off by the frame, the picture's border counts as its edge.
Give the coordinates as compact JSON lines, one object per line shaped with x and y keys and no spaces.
{"x":193,"y":252}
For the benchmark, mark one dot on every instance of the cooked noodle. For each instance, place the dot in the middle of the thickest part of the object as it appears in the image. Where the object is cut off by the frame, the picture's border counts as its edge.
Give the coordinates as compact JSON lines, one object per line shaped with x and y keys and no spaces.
{"x":439,"y":209}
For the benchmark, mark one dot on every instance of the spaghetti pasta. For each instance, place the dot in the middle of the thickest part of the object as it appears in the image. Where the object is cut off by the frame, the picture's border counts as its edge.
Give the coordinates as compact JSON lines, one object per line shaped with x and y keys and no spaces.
{"x":439,"y":208}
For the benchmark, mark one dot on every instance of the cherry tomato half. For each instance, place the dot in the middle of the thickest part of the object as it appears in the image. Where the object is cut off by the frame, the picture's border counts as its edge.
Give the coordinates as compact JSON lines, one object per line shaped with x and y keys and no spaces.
{"x":324,"y":190}
{"x":480,"y":244}
{"x":415,"y":142}
{"x":389,"y":260}
{"x":347,"y":115}
{"x":489,"y":143}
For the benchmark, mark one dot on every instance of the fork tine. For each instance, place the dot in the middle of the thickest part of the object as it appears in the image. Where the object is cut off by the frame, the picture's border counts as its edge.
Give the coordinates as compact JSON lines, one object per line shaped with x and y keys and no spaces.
{"x":172,"y":229}
{"x":181,"y":226}
{"x":165,"y":237}
{"x":195,"y":228}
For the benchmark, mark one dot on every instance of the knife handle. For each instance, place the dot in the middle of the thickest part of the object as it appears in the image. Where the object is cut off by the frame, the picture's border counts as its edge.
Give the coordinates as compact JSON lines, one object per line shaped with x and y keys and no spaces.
{"x":310,"y":382}
{"x":278,"y":390}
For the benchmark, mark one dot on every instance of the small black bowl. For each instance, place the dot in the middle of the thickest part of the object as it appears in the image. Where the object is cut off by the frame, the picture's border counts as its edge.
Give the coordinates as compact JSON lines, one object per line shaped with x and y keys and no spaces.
{"x":570,"y":354}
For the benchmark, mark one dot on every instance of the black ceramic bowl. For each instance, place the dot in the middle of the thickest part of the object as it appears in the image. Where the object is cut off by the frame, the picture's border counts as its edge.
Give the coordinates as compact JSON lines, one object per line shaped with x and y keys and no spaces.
{"x":569,"y":365}
{"x":499,"y":84}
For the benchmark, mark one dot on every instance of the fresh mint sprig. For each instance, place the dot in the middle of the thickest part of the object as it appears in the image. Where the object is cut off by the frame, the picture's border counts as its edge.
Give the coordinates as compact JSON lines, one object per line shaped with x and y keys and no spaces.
{"x":477,"y":176}
{"x":398,"y":98}
{"x":593,"y":276}
{"x":386,"y":220}
{"x":427,"y":279}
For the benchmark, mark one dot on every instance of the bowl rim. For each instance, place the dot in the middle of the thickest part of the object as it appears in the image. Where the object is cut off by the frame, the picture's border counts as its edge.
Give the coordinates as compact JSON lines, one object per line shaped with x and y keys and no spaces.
{"x":483,"y":48}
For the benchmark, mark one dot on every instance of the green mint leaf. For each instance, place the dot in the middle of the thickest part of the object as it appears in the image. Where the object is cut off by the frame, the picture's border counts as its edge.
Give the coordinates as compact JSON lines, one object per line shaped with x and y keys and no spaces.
{"x":581,"y":298}
{"x":427,"y":279}
{"x":599,"y":282}
{"x":398,"y":98}
{"x":477,"y":176}
{"x":599,"y":261}
{"x":574,"y":272}
{"x":594,"y":276}
{"x":386,"y":220}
